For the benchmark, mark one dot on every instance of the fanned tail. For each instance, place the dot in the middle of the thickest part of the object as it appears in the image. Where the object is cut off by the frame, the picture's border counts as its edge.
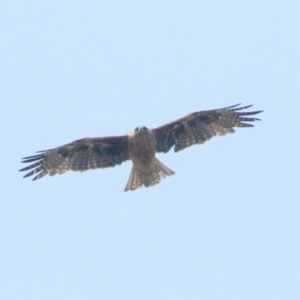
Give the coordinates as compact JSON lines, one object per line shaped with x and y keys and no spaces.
{"x":138,"y":178}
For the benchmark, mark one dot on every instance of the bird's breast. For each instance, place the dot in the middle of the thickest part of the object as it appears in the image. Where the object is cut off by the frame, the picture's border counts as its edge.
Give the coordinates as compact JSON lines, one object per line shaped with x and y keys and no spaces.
{"x":142,"y":151}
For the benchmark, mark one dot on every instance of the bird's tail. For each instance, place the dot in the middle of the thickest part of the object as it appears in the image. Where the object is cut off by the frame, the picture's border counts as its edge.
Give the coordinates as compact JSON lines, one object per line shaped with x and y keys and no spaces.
{"x":138,"y":178}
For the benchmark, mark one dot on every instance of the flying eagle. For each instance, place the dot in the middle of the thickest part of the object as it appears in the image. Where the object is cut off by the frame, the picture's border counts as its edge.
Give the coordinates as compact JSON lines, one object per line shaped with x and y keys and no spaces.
{"x":139,"y":146}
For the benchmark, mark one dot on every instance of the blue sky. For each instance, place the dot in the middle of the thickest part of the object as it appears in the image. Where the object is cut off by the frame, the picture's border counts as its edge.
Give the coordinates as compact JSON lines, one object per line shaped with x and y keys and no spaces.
{"x":226,"y":226}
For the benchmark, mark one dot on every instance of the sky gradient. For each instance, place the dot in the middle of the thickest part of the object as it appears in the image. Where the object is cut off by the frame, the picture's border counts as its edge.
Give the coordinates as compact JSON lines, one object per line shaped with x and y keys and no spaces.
{"x":226,"y":226}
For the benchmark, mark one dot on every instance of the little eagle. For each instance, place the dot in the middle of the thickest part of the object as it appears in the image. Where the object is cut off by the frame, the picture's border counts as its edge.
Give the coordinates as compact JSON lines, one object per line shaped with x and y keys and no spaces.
{"x":140,"y":146}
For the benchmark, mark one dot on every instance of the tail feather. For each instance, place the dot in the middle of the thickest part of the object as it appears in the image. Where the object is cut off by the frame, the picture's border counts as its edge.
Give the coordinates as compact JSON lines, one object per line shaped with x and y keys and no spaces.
{"x":138,"y":178}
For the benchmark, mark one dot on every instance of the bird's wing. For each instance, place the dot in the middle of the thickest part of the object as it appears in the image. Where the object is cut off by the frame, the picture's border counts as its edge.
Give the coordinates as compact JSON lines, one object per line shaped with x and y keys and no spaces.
{"x":199,"y":127}
{"x":80,"y":155}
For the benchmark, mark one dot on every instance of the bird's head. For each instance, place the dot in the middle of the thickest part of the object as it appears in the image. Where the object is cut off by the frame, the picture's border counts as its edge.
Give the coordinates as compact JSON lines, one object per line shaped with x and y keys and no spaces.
{"x":141,"y":130}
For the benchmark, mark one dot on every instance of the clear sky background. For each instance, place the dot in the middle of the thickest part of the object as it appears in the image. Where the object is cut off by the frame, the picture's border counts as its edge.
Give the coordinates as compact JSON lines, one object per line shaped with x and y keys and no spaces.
{"x":226,"y":226}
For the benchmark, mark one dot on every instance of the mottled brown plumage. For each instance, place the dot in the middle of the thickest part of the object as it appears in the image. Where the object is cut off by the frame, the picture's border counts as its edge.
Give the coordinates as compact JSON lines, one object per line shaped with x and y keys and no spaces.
{"x":139,"y":146}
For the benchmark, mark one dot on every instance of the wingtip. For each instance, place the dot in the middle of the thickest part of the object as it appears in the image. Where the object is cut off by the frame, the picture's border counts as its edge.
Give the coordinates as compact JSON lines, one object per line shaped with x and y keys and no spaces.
{"x":232,"y":106}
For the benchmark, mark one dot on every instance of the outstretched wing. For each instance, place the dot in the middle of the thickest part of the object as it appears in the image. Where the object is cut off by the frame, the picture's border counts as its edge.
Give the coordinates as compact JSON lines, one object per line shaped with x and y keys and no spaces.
{"x":199,"y":127}
{"x":80,"y":155}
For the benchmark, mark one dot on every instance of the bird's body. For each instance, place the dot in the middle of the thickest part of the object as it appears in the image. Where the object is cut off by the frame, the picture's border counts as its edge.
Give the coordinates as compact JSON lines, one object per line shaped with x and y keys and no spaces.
{"x":139,"y":146}
{"x":147,"y":170}
{"x":142,"y":148}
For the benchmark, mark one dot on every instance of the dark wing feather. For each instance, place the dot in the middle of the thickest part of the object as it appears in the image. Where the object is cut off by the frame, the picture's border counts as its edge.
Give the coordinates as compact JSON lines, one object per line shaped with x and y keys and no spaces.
{"x":80,"y":155}
{"x":199,"y":127}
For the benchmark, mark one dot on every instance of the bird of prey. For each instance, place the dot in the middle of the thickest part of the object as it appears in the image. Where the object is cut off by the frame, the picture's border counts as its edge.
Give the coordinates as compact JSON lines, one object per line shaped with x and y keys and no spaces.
{"x":140,"y":146}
